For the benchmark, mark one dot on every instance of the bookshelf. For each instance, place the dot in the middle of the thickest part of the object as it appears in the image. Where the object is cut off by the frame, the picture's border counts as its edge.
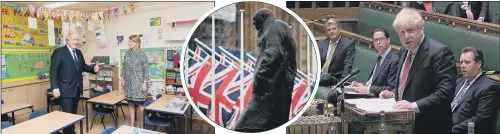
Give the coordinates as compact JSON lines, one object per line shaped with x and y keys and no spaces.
{"x":107,"y":77}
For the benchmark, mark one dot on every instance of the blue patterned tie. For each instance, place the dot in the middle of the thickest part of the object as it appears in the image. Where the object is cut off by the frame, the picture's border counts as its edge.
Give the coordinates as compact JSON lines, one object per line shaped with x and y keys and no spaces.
{"x":457,"y":98}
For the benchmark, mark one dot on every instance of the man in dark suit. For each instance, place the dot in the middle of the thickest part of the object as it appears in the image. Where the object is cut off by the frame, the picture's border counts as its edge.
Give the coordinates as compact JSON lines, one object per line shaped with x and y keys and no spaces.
{"x":476,"y":96}
{"x":66,"y":67}
{"x":474,"y":10}
{"x":383,"y":75}
{"x":337,"y":55}
{"x":427,"y":75}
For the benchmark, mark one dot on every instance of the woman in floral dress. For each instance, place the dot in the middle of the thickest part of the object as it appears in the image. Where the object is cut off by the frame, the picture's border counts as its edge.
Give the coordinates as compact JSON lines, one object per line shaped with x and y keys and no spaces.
{"x":135,"y":74}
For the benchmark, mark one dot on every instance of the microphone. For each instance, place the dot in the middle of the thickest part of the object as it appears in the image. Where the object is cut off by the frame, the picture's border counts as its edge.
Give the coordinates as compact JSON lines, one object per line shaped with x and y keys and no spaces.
{"x":348,"y":77}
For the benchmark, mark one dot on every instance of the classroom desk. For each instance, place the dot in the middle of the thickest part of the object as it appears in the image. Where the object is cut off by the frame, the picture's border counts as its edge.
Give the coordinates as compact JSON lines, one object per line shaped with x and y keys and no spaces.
{"x":124,"y":129}
{"x":46,"y":124}
{"x":13,"y":107}
{"x":159,"y":105}
{"x":112,"y":98}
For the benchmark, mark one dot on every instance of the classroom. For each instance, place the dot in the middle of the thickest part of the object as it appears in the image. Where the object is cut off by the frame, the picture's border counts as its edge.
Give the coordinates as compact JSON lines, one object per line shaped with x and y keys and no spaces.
{"x":35,"y":36}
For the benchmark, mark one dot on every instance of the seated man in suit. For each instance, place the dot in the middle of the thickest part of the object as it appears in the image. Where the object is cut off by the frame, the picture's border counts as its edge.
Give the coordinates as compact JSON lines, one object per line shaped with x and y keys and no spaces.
{"x":476,"y":97}
{"x":383,"y":76}
{"x":337,"y":55}
{"x":474,"y":10}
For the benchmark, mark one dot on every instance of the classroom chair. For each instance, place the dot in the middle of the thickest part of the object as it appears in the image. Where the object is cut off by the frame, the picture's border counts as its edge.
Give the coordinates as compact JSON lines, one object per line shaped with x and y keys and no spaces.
{"x":99,"y":109}
{"x":37,"y":113}
{"x":5,"y":124}
{"x":168,"y":116}
{"x":51,"y":102}
{"x":151,"y":119}
{"x":108,"y":131}
{"x":106,"y":90}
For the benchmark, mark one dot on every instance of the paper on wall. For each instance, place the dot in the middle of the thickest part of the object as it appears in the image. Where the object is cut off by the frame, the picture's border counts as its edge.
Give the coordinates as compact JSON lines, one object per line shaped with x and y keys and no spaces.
{"x":51,"y":23}
{"x":52,"y":40}
{"x":3,"y":60}
{"x":52,"y":37}
{"x":90,"y":26}
{"x":32,"y":23}
{"x":65,"y":30}
{"x":72,"y":27}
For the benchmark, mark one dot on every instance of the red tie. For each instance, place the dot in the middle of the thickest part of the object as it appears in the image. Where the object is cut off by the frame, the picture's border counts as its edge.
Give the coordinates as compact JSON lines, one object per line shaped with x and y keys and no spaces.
{"x":405,"y":75}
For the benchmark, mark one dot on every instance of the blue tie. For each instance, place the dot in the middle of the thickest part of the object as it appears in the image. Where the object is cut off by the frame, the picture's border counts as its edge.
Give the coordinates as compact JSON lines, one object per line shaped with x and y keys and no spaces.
{"x":76,"y":59}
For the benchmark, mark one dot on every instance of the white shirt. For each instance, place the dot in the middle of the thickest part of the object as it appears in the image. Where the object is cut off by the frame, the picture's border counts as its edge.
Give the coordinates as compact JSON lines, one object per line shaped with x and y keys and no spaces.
{"x":73,"y":54}
{"x":330,"y":46}
{"x":465,"y":88}
{"x":382,"y":57}
{"x":414,"y":51}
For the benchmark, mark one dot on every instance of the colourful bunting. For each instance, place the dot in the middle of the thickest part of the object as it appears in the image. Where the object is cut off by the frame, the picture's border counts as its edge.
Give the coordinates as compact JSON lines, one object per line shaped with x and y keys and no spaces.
{"x":48,"y":13}
{"x":124,"y":8}
{"x":132,"y":7}
{"x":116,"y":11}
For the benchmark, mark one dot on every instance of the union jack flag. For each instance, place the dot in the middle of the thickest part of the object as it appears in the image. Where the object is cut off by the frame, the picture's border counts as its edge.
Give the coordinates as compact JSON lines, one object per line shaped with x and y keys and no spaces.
{"x":229,"y":100}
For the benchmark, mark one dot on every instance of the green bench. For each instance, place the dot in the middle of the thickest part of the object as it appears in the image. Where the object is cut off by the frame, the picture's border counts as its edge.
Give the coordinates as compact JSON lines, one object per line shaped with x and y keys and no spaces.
{"x":454,"y":38}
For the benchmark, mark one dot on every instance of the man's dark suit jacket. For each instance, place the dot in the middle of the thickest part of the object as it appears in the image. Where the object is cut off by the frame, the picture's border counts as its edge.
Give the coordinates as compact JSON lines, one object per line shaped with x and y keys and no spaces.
{"x":342,"y":61}
{"x":65,"y":75}
{"x":478,"y":9}
{"x":431,"y":84}
{"x":479,"y":104}
{"x":386,"y":74}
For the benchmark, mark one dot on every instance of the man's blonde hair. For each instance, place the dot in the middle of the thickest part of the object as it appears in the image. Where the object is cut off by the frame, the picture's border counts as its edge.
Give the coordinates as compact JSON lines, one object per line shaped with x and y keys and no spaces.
{"x":68,"y":35}
{"x":408,"y":18}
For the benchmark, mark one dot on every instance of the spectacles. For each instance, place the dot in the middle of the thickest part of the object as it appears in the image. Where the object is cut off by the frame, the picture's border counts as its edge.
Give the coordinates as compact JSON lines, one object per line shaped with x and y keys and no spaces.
{"x":379,"y":39}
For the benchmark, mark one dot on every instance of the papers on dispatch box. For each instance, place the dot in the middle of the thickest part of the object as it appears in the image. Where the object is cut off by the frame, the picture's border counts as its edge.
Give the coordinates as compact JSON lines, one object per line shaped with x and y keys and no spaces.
{"x":374,"y":105}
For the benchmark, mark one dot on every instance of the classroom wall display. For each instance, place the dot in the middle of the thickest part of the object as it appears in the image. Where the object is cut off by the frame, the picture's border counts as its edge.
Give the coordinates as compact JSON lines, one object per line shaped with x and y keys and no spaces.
{"x":156,"y":61}
{"x":24,"y":65}
{"x":24,"y":32}
{"x":170,"y":59}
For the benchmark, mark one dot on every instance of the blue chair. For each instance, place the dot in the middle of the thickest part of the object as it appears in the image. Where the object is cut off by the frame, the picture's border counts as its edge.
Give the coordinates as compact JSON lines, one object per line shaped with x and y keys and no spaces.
{"x":37,"y":113}
{"x":5,"y":124}
{"x":108,"y":131}
{"x":168,"y":116}
{"x":152,"y":119}
{"x":107,"y":90}
{"x":99,"y":109}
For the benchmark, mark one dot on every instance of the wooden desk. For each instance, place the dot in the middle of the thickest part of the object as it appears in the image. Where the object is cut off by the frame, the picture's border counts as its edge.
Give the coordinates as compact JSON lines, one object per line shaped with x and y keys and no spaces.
{"x":112,"y":98}
{"x":13,"y":107}
{"x":159,"y":105}
{"x":49,"y":123}
{"x":124,"y":129}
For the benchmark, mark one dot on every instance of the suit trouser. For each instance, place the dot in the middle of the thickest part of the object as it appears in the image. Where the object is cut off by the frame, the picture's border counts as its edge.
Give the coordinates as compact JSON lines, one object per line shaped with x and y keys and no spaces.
{"x":69,"y":105}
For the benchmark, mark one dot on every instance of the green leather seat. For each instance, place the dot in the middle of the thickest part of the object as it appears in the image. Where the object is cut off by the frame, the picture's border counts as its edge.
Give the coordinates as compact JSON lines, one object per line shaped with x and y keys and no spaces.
{"x":454,"y":38}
